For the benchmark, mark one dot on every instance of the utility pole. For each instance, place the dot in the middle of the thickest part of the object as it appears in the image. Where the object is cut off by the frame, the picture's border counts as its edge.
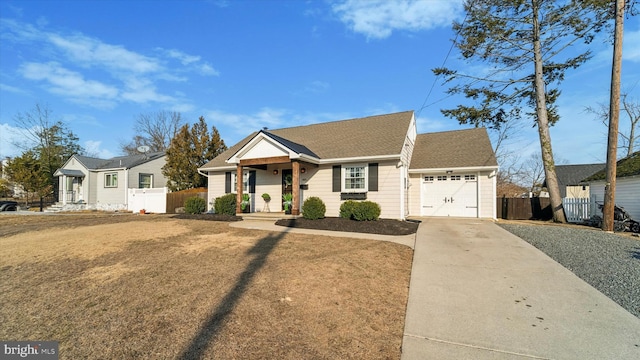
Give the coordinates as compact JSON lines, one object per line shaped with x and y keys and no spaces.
{"x":614,"y":113}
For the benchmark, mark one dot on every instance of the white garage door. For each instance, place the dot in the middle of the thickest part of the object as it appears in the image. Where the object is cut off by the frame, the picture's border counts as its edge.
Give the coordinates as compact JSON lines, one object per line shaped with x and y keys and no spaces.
{"x":450,"y":195}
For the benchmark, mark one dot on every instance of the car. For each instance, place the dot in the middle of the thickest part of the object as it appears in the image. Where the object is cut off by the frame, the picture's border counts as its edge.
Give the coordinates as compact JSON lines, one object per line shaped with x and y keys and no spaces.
{"x":8,"y":206}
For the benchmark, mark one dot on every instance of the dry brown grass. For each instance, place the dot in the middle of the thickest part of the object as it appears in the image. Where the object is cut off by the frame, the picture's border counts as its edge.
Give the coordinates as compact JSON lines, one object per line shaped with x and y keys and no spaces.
{"x":130,"y":287}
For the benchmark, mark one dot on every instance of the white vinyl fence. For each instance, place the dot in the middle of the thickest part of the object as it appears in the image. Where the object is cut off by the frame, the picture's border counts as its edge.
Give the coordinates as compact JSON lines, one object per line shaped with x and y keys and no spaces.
{"x":578,"y":210}
{"x":151,"y":200}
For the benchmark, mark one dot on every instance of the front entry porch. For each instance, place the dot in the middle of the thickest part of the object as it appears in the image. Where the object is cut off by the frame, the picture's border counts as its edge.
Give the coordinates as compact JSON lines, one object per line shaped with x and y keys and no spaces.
{"x":276,"y":176}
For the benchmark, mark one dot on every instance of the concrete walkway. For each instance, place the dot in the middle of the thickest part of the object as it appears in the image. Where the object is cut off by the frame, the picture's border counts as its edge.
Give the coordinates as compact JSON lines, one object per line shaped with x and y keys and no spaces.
{"x":479,"y":292}
{"x":408,"y":240}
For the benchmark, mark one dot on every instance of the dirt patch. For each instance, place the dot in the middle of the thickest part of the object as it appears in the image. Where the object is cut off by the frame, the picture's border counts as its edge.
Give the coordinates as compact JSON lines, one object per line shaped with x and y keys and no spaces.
{"x":200,"y":289}
{"x":381,"y":226}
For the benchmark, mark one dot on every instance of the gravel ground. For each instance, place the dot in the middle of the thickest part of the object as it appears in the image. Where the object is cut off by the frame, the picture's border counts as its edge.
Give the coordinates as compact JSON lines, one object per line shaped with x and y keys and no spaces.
{"x":608,"y":262}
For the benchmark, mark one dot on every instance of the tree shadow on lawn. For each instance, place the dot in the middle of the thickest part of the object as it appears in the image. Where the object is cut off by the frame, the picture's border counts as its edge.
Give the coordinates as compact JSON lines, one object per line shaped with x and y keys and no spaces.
{"x":635,"y":253}
{"x":213,"y":326}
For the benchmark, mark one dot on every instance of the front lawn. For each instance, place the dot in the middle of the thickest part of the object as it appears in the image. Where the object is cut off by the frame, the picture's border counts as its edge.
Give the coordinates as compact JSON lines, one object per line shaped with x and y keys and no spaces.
{"x":155,"y":287}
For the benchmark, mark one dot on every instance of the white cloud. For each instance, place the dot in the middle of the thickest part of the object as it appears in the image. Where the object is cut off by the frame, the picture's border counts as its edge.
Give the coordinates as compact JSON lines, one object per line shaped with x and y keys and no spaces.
{"x":244,"y":124}
{"x":379,"y":18}
{"x":68,"y":83}
{"x":8,"y":136}
{"x":92,"y":72}
{"x":92,"y":52}
{"x":13,"y":89}
{"x":93,"y":149}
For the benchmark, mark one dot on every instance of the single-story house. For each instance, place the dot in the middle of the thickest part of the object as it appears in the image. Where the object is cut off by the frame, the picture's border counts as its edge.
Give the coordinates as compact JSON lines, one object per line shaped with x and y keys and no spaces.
{"x":627,"y":185}
{"x":378,"y":158}
{"x":570,"y":179}
{"x":102,"y":184}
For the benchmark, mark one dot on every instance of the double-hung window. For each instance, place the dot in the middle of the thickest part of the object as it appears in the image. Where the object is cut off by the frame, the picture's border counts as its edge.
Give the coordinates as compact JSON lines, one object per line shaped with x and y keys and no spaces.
{"x":355,"y":178}
{"x":145,"y":181}
{"x":111,"y":180}
{"x":245,"y":182}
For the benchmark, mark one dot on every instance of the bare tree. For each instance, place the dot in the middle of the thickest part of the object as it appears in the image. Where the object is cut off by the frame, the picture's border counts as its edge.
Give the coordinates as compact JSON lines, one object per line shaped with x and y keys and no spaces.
{"x":155,"y":130}
{"x":629,"y":136}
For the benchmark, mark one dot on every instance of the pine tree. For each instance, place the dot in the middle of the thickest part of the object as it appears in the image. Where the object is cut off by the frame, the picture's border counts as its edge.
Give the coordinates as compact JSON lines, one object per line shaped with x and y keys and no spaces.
{"x":522,"y":42}
{"x":191,"y":148}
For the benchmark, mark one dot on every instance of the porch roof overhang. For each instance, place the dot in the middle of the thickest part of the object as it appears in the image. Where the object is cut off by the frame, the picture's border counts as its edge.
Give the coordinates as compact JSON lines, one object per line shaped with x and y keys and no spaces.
{"x":69,"y":172}
{"x":265,"y":149}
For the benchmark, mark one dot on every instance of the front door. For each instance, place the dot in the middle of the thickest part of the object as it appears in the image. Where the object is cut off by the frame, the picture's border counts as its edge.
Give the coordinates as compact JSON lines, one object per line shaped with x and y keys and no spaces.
{"x":287,"y":183}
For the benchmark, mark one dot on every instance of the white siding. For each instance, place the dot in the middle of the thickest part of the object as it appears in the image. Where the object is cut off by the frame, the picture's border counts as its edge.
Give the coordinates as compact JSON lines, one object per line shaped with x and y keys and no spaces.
{"x":627,"y":194}
{"x":486,"y":195}
{"x":215,"y":185}
{"x":415,"y":184}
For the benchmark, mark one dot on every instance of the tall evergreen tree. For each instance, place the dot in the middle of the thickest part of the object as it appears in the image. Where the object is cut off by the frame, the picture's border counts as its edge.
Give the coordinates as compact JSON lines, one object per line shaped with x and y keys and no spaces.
{"x":522,"y":41}
{"x":191,"y":147}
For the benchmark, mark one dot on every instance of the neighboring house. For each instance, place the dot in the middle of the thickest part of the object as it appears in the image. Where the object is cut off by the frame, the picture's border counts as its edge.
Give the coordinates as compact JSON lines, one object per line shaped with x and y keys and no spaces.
{"x":570,"y":179}
{"x":102,"y":184}
{"x":377,"y":158}
{"x":627,"y":185}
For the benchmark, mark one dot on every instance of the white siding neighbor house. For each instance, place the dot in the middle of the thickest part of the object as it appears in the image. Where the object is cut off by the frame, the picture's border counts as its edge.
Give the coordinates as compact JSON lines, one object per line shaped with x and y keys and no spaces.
{"x":627,"y":185}
{"x":378,"y":158}
{"x":102,"y":184}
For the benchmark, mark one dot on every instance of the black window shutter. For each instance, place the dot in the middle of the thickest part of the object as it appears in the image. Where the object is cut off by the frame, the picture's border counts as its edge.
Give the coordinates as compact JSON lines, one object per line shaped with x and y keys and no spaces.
{"x":373,"y":177}
{"x":227,"y":182}
{"x":337,"y":186}
{"x":252,"y":182}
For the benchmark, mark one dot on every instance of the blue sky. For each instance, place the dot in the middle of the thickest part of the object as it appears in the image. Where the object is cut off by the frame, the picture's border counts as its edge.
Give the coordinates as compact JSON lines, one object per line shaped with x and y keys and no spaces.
{"x":244,"y":65}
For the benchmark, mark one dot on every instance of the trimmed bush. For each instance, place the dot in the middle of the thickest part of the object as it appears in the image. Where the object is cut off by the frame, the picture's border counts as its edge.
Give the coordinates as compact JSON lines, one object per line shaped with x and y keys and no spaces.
{"x":366,"y":211}
{"x":195,"y":205}
{"x":313,"y":208}
{"x":346,"y":209}
{"x":360,"y":210}
{"x":225,"y":204}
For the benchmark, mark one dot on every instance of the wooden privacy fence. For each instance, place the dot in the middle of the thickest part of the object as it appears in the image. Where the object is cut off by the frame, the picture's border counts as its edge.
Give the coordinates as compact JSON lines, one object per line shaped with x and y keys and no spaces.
{"x":176,"y":199}
{"x":523,"y":208}
{"x":576,"y":210}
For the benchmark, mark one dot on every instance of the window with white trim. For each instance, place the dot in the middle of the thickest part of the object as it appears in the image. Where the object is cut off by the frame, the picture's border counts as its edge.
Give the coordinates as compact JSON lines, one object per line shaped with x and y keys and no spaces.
{"x":354,"y":178}
{"x":111,"y":180}
{"x":245,"y":182}
{"x":145,"y":181}
{"x":442,"y":178}
{"x":470,"y":177}
{"x":428,"y":178}
{"x":455,"y":177}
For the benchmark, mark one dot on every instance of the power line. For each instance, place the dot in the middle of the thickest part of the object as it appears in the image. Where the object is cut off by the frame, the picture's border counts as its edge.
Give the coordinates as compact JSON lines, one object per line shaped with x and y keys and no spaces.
{"x":443,"y":63}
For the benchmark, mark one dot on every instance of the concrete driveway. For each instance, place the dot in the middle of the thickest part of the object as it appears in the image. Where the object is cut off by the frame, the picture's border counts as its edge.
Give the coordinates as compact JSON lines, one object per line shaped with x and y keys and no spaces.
{"x":479,"y":292}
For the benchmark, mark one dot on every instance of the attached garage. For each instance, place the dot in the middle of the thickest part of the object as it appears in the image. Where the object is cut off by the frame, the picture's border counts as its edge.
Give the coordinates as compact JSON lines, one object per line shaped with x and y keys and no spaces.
{"x":453,"y":181}
{"x":450,"y":195}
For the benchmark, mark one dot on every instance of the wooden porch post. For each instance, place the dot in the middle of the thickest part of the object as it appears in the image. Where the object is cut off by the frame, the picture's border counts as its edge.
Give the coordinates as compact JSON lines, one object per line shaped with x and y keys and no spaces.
{"x":238,"y":189}
{"x":295,"y":188}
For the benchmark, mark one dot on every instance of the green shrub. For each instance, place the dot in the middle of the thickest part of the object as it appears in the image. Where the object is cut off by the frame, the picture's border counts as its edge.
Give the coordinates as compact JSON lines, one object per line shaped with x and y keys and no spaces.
{"x":313,"y":208}
{"x":366,"y":211}
{"x":360,"y":210}
{"x":346,"y":209}
{"x":225,"y":204}
{"x":195,"y":205}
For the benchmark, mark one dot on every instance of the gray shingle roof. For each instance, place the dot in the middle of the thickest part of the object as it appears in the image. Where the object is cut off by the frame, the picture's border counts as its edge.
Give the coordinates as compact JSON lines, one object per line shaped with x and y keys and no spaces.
{"x":369,"y":136}
{"x":453,"y":149}
{"x":127,"y":162}
{"x":569,"y":175}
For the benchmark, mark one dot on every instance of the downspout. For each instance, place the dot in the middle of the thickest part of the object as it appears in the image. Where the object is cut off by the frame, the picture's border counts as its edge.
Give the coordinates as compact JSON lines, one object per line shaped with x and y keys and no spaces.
{"x":126,"y":188}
